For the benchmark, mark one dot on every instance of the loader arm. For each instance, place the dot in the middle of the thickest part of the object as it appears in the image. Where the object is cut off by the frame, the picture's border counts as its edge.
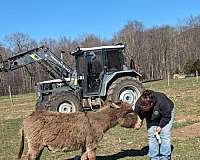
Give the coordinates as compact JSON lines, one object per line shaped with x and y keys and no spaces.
{"x":43,"y":55}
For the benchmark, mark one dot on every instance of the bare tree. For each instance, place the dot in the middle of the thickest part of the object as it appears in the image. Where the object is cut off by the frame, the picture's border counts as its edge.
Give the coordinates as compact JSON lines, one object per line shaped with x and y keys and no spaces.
{"x":19,"y":42}
{"x":89,"y":40}
{"x":158,"y":51}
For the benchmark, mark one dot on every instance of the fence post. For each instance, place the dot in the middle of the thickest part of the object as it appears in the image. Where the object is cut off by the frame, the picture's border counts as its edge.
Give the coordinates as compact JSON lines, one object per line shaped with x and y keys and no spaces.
{"x":10,"y":95}
{"x":197,"y":75}
{"x":168,"y":79}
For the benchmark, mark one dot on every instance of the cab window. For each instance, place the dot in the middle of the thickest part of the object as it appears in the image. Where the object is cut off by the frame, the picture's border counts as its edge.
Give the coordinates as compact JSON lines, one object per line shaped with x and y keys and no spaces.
{"x":114,"y":60}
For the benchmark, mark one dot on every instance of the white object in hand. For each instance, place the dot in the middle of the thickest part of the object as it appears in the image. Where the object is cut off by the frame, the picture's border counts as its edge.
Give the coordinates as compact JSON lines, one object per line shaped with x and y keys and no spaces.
{"x":158,"y":137}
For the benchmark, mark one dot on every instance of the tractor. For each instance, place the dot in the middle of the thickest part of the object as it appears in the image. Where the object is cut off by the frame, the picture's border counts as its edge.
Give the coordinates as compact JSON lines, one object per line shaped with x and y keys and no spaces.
{"x":100,"y":75}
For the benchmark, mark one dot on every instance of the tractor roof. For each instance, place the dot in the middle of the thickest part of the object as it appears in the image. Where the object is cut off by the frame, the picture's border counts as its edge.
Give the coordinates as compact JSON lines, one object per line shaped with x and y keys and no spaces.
{"x":81,"y":50}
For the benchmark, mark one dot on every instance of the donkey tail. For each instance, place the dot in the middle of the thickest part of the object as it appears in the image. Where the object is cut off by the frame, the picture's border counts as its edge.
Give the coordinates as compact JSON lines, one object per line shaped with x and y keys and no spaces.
{"x":21,"y":143}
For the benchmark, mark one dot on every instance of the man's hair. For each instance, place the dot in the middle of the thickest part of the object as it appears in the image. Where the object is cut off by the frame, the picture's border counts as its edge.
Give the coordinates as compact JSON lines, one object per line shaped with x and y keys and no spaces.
{"x":146,"y":100}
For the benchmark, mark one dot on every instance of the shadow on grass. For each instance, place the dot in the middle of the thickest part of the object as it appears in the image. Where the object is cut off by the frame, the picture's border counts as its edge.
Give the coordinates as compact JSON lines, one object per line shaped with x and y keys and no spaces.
{"x":122,"y":154}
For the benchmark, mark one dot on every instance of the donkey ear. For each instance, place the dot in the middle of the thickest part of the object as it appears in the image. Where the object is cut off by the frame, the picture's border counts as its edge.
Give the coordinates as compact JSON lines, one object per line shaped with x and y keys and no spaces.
{"x":114,"y":105}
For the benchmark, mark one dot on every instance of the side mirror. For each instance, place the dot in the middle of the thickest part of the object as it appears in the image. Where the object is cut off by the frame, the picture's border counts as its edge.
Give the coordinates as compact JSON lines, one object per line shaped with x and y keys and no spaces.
{"x":132,"y":64}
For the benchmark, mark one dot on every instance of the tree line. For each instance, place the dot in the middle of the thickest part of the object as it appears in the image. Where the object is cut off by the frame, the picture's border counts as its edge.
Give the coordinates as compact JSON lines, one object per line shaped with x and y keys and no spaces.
{"x":158,"y":51}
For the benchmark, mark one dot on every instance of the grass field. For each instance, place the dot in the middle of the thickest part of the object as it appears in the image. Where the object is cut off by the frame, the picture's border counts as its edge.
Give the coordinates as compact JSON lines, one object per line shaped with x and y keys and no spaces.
{"x":118,"y":143}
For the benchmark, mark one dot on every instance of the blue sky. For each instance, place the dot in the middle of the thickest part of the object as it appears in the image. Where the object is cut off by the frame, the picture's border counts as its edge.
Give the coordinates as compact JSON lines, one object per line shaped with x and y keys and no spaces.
{"x":73,"y":18}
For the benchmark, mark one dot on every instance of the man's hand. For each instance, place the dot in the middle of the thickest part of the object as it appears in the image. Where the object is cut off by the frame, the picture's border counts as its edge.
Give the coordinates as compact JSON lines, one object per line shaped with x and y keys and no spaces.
{"x":157,"y":134}
{"x":158,"y":129}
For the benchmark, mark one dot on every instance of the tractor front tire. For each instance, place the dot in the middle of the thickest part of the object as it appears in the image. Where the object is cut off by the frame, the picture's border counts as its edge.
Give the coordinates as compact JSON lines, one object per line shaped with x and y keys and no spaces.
{"x":127,"y":89}
{"x":64,"y":102}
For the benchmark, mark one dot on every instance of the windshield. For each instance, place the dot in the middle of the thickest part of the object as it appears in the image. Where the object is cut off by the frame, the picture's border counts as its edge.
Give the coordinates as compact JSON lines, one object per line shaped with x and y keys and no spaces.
{"x":94,"y":60}
{"x":80,"y":65}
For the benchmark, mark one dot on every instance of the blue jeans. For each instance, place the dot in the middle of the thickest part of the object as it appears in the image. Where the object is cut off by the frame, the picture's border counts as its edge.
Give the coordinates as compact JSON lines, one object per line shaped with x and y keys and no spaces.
{"x":165,"y":146}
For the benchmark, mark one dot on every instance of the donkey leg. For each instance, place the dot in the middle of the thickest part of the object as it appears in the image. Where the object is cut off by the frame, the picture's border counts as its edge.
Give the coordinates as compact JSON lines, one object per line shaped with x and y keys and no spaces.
{"x":34,"y":153}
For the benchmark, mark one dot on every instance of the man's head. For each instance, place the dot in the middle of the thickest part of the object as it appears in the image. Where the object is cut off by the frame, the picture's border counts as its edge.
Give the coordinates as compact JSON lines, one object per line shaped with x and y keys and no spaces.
{"x":146,"y":100}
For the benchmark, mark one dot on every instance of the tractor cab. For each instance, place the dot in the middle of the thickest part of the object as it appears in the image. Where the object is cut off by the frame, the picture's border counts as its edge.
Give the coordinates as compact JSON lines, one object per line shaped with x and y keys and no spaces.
{"x":93,"y":63}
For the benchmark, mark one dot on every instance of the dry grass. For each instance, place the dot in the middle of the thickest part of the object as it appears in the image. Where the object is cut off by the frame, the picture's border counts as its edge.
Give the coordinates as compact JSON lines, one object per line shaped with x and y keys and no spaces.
{"x":118,"y":143}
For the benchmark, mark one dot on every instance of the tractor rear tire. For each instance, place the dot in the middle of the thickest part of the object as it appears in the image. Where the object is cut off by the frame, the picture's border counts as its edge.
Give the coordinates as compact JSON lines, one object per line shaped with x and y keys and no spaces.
{"x":64,"y":102}
{"x":127,"y":89}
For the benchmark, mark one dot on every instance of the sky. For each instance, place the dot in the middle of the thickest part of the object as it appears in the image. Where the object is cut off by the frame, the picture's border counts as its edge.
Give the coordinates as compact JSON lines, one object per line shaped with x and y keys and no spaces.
{"x":74,"y":18}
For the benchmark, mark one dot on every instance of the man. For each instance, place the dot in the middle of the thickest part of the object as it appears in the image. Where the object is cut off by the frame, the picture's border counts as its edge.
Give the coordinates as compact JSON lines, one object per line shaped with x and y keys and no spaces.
{"x":158,"y":110}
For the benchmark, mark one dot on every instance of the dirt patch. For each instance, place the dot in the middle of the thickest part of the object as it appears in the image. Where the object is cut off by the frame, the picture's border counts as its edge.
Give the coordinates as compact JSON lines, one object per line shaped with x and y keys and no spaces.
{"x":187,"y":132}
{"x":182,"y":118}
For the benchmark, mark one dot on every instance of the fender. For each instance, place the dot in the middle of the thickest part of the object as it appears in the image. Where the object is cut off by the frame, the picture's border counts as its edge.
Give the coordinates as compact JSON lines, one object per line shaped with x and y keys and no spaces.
{"x":109,"y":77}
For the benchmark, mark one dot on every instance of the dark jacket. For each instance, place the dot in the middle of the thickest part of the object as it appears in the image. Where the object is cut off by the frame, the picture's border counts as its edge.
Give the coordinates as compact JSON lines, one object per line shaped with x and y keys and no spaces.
{"x":160,"y":113}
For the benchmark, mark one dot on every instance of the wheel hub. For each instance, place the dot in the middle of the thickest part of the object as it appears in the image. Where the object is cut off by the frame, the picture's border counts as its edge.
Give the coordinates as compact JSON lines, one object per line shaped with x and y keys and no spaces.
{"x":127,"y":96}
{"x":66,"y":108}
